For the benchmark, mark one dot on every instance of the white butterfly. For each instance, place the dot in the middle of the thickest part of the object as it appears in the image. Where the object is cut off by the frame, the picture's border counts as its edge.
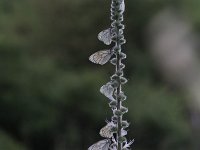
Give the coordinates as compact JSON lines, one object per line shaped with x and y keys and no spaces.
{"x":101,"y":57}
{"x":105,"y":36}
{"x":122,"y":6}
{"x":101,"y":145}
{"x":107,"y":130}
{"x":107,"y":90}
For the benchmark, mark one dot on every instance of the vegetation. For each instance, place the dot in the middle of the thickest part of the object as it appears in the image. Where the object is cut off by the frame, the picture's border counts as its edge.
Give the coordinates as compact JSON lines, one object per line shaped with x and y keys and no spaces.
{"x":49,"y":98}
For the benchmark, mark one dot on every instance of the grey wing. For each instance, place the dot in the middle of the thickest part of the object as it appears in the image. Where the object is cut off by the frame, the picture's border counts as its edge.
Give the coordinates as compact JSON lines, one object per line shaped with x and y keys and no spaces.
{"x":94,"y":147}
{"x":105,"y":59}
{"x":91,"y":147}
{"x":105,"y":36}
{"x":122,"y":6}
{"x":99,"y":145}
{"x":101,"y":57}
{"x":106,"y":131}
{"x":106,"y":146}
{"x":107,"y":90}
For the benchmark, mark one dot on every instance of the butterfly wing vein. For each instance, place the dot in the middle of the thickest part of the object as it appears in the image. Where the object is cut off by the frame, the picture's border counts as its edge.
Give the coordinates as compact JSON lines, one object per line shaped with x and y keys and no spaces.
{"x":101,"y":145}
{"x":101,"y":57}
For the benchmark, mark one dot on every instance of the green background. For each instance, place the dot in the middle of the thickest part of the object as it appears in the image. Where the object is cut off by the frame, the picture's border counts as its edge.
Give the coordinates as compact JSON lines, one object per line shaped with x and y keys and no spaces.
{"x":49,"y":91}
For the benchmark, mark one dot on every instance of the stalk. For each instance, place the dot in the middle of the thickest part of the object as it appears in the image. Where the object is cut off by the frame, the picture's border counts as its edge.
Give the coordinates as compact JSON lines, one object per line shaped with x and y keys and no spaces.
{"x":118,"y":39}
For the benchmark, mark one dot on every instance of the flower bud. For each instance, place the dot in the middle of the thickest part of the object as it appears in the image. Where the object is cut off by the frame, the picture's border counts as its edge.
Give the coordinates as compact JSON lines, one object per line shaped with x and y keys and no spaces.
{"x":120,"y":36}
{"x":116,"y":49}
{"x":118,"y":113}
{"x":122,"y":66}
{"x":118,"y":24}
{"x":114,"y":4}
{"x":124,"y":109}
{"x":119,"y":73}
{"x":125,"y":124}
{"x":114,"y":38}
{"x":114,"y":77}
{"x":122,"y":139}
{"x":122,"y":55}
{"x":122,"y":97}
{"x":123,"y":80}
{"x":121,"y":31}
{"x":113,"y":30}
{"x":113,"y":61}
{"x":122,"y":41}
{"x":113,"y":24}
{"x":113,"y":104}
{"x":121,"y":26}
{"x":115,"y":84}
{"x":114,"y":119}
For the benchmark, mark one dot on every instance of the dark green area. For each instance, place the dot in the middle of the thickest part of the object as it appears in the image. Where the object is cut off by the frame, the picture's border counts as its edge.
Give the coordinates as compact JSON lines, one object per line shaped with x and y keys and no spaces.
{"x":49,"y":91}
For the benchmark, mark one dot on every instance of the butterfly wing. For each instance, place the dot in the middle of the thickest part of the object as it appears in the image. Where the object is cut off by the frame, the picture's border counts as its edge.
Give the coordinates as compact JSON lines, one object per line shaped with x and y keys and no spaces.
{"x":101,"y":145}
{"x":105,"y":36}
{"x":122,"y":6}
{"x":101,"y":57}
{"x":107,"y":90}
{"x":106,"y":146}
{"x":106,"y":131}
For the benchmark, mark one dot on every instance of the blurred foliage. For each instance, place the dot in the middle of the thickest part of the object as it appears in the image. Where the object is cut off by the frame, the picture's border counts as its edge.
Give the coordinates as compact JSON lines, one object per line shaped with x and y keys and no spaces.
{"x":7,"y":143}
{"x":49,"y":96}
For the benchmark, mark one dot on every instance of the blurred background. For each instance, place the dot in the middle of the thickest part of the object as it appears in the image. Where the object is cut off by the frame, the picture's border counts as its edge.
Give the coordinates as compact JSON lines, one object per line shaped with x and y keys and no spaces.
{"x":49,"y":91}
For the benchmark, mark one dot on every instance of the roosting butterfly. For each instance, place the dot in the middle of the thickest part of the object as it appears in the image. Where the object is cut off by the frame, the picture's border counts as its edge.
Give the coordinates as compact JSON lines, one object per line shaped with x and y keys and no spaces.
{"x":107,"y":131}
{"x":107,"y":90}
{"x":105,"y":36}
{"x":101,"y":57}
{"x":122,"y":6}
{"x":101,"y":145}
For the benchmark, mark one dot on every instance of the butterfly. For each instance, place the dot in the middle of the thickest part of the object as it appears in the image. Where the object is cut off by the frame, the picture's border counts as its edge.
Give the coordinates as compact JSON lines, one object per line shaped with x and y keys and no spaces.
{"x":101,"y":145}
{"x":107,"y":90}
{"x":107,"y":130}
{"x":105,"y":36}
{"x":101,"y":57}
{"x":122,"y":6}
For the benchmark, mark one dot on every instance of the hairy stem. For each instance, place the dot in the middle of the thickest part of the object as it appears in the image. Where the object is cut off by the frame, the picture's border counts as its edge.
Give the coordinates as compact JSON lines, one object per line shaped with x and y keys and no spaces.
{"x":119,"y":105}
{"x":117,"y":27}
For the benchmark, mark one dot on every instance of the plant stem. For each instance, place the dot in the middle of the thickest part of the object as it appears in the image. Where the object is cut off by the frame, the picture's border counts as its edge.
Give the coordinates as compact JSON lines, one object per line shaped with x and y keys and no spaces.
{"x":117,"y":18}
{"x":119,"y":105}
